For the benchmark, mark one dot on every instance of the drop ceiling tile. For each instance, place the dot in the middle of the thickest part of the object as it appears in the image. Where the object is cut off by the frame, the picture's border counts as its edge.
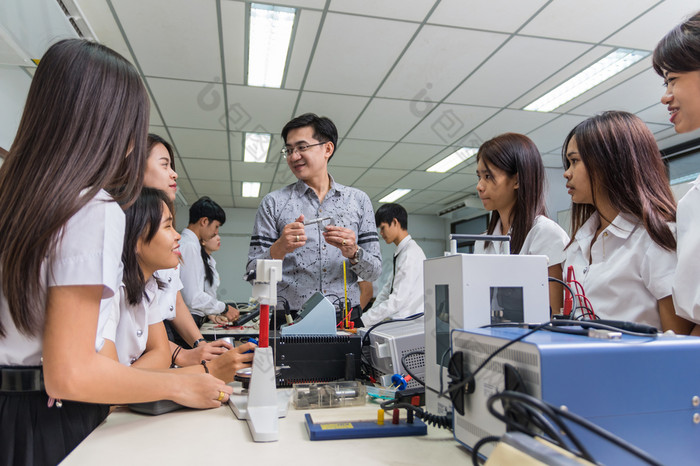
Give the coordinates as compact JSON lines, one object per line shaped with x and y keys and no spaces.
{"x":430,"y":197}
{"x":590,"y":21}
{"x":656,"y":113}
{"x":346,"y":175}
{"x":233,"y":22}
{"x":552,"y":160}
{"x":446,"y":151}
{"x":448,"y":123}
{"x":623,"y":76}
{"x":669,"y":138}
{"x":519,"y":66}
{"x":190,"y":104}
{"x":420,"y":179}
{"x":342,"y":109}
{"x":363,"y":64}
{"x":372,"y":191}
{"x":164,"y":34}
{"x":259,"y":109}
{"x":380,"y":177}
{"x":549,"y":82}
{"x":506,"y":121}
{"x":385,"y":120}
{"x":154,"y":116}
{"x":247,"y":202}
{"x":436,"y":62}
{"x":405,"y":155}
{"x":457,"y":182}
{"x":215,"y":170}
{"x":200,"y":143}
{"x":550,"y":137}
{"x":412,"y":207}
{"x":302,"y":45}
{"x":646,"y":31}
{"x":359,"y":153}
{"x":317,"y":4}
{"x":409,"y":10}
{"x":489,"y":15}
{"x":212,"y":189}
{"x":655,"y":128}
{"x":246,"y":171}
{"x":633,"y":95}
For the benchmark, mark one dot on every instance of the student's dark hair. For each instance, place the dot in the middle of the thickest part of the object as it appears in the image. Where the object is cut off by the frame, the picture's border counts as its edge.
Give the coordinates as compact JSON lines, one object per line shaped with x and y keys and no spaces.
{"x":154,"y":139}
{"x":143,"y":220}
{"x":388,"y":212}
{"x":622,"y":159}
{"x":206,"y":207}
{"x":208,"y":269}
{"x":516,"y":154}
{"x":324,"y":128}
{"x":679,"y":50}
{"x":86,"y":110}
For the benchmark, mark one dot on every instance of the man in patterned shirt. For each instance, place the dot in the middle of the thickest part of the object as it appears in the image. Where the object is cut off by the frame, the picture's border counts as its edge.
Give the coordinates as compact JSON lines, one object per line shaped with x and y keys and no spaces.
{"x":313,"y":253}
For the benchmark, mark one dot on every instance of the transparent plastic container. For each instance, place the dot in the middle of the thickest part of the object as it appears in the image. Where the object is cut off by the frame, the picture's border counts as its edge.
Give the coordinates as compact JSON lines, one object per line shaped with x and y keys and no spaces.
{"x":329,"y":395}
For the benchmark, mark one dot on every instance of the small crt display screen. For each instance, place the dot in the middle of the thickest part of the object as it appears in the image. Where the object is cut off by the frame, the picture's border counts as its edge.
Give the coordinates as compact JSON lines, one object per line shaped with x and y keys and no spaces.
{"x":507,"y":304}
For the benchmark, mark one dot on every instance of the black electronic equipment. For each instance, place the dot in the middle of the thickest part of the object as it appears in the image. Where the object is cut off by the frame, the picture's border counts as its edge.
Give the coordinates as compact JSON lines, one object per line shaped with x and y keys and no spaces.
{"x":316,"y":358}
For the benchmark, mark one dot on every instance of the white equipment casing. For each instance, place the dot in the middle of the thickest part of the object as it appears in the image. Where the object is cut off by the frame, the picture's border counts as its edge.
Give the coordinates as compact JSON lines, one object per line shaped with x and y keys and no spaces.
{"x":388,"y":344}
{"x":465,"y":291}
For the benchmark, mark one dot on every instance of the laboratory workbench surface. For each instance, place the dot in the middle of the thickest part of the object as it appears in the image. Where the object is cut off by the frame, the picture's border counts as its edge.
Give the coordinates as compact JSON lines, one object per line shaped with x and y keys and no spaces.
{"x":216,"y":436}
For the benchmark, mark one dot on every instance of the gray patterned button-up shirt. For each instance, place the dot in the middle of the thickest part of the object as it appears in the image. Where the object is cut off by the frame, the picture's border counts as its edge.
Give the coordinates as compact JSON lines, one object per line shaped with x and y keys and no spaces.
{"x":317,"y":266}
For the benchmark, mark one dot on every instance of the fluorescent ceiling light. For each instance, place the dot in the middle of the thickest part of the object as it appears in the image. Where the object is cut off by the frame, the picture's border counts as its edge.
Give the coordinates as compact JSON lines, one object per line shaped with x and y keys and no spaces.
{"x":605,"y":68}
{"x":257,"y":146}
{"x":453,"y":160}
{"x":268,"y":43}
{"x":395,"y":195}
{"x":250,"y":189}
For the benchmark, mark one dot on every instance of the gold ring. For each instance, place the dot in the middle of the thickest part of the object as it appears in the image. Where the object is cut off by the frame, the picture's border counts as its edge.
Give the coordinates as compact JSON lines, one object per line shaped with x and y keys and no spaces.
{"x":343,"y":242}
{"x":297,"y":238}
{"x":221,"y":396}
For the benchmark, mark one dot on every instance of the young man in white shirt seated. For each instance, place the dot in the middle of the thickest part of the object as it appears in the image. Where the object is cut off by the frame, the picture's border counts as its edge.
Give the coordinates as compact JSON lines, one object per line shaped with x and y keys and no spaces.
{"x":402,"y":294}
{"x":205,"y":218}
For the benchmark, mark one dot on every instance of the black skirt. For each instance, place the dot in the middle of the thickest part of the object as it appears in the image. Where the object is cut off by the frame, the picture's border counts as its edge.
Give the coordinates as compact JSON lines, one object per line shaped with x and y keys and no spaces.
{"x":31,"y":433}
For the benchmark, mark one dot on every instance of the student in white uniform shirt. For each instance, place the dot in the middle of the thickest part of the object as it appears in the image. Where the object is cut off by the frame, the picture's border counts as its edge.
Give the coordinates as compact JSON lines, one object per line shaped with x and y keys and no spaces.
{"x":677,"y":59}
{"x":624,"y":247}
{"x":211,"y":275}
{"x":78,"y":154}
{"x":511,"y":185}
{"x":160,"y":174}
{"x":205,"y":218}
{"x":402,"y":294}
{"x":136,"y":328}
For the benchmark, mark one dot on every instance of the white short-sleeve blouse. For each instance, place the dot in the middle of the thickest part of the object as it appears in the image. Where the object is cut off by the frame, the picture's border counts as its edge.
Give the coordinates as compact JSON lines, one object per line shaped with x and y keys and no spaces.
{"x":545,"y":238}
{"x":89,"y":253}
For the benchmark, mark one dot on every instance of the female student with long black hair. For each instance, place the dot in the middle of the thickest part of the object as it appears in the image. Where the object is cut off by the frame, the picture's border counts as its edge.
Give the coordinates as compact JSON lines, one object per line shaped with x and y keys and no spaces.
{"x":132,"y":320}
{"x":511,"y":185}
{"x":624,"y":248}
{"x":78,"y":154}
{"x":211,"y":275}
{"x":677,"y":60}
{"x":160,"y":174}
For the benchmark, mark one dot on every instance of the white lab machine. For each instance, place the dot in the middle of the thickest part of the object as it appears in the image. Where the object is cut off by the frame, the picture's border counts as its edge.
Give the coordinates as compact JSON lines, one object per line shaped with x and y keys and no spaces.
{"x":464,"y":291}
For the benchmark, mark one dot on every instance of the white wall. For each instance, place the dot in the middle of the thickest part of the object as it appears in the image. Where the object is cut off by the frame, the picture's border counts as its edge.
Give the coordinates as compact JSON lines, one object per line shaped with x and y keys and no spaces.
{"x":233,"y":255}
{"x":13,"y":93}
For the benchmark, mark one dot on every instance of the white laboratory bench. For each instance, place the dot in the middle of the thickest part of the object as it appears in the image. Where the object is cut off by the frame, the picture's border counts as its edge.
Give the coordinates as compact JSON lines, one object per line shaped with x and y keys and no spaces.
{"x":215,"y":436}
